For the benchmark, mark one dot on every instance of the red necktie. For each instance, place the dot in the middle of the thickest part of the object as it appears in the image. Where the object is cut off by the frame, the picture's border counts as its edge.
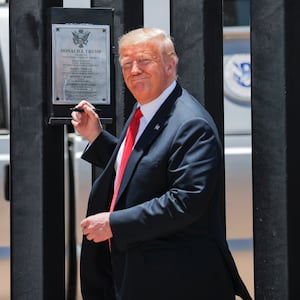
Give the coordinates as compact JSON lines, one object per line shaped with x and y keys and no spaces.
{"x":129,"y":143}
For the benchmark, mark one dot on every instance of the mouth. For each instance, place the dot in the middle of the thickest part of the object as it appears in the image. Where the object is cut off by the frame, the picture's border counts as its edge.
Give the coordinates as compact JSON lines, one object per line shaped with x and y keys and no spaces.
{"x":137,"y":79}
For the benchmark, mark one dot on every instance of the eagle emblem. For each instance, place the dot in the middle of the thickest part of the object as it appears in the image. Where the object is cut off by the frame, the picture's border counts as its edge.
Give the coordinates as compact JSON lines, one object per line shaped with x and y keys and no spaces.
{"x":80,"y":37}
{"x":242,"y":73}
{"x":237,"y":77}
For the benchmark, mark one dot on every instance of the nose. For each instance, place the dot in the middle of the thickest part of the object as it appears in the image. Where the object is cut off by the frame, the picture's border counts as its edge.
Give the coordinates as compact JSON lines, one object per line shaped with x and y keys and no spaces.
{"x":135,"y":67}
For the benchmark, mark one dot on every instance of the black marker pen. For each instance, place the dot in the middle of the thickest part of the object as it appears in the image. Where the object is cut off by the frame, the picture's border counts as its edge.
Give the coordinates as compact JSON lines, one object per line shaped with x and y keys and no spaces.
{"x":81,"y":110}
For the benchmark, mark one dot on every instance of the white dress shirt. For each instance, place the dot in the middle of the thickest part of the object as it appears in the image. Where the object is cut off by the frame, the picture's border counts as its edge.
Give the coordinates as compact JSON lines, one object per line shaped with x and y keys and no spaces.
{"x":148,"y":111}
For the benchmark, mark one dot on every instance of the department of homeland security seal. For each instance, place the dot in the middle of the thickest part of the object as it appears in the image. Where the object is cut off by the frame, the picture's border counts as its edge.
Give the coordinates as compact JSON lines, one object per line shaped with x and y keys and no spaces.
{"x":237,"y":77}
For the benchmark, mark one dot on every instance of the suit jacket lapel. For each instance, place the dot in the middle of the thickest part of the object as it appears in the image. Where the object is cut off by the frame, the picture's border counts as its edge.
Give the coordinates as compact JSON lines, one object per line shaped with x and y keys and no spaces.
{"x":158,"y":122}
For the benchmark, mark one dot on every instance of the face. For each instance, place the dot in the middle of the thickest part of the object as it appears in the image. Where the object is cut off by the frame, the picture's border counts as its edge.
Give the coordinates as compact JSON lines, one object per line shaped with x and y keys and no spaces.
{"x":145,"y":73}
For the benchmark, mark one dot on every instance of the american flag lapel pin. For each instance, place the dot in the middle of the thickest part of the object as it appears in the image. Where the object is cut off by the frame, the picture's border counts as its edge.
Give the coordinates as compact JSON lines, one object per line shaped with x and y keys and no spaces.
{"x":157,"y":126}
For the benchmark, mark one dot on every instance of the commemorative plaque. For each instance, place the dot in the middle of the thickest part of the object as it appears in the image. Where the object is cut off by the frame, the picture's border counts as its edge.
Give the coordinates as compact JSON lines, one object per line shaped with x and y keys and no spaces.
{"x":80,"y":63}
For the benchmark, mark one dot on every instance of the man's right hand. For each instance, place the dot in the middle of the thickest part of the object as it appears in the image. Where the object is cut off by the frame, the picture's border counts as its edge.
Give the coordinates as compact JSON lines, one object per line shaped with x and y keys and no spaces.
{"x":87,"y":123}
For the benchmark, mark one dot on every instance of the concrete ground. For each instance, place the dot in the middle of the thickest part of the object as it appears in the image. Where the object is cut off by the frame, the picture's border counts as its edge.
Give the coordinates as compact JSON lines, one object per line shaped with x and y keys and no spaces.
{"x":244,"y":262}
{"x":4,"y":279}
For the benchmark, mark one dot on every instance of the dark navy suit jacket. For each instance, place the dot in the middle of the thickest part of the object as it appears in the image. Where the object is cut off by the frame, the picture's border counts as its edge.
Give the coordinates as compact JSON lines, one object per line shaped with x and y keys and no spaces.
{"x":168,"y":236}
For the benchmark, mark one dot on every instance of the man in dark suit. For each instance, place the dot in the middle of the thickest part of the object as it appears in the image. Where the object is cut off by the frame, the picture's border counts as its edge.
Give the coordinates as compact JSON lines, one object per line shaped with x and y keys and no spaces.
{"x":164,"y":238}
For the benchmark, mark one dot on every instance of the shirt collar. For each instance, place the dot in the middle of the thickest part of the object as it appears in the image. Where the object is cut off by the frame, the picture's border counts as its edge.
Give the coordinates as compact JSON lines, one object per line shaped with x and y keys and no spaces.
{"x":152,"y":107}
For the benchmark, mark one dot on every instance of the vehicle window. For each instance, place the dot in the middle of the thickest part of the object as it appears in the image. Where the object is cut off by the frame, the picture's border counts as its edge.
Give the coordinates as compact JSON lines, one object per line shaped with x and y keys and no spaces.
{"x":236,"y":12}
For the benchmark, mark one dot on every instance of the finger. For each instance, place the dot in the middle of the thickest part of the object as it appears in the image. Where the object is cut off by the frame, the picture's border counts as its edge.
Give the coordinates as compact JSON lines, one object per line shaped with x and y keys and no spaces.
{"x":82,"y":103}
{"x":85,"y":105}
{"x":84,"y":223}
{"x":89,"y":237}
{"x":74,"y":123}
{"x":86,"y":231}
{"x":76,"y":116}
{"x":90,"y":111}
{"x":95,"y":238}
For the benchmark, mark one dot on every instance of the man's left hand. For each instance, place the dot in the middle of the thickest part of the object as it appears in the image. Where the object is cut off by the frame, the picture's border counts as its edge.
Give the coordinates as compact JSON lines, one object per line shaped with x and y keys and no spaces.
{"x":96,"y":227}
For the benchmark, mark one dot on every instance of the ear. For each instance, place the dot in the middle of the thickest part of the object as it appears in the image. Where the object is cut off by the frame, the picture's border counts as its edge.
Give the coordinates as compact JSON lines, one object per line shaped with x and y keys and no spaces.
{"x":170,"y":66}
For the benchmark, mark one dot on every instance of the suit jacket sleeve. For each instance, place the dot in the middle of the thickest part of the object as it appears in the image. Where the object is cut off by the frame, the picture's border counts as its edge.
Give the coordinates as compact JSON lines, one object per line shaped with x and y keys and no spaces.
{"x":100,"y":151}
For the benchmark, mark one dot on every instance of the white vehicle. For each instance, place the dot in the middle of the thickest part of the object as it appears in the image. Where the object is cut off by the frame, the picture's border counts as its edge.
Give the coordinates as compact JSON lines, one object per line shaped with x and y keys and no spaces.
{"x":238,"y":150}
{"x":237,"y":118}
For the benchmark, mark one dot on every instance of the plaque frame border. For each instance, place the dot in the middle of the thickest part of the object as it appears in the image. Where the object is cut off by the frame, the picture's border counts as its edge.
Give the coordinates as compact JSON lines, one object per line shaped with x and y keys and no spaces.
{"x":59,"y":114}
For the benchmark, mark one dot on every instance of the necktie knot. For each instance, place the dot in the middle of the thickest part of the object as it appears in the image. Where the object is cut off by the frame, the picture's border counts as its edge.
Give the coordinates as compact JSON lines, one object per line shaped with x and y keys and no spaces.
{"x":133,"y":129}
{"x":138,"y":114}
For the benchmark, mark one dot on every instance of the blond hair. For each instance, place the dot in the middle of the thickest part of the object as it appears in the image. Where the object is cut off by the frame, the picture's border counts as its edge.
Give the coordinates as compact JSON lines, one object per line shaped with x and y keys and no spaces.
{"x":149,"y":35}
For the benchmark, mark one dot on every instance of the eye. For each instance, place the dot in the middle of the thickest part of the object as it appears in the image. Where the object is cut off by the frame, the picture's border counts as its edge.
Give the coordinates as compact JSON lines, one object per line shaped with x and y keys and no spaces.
{"x":127,"y":65}
{"x":144,"y":61}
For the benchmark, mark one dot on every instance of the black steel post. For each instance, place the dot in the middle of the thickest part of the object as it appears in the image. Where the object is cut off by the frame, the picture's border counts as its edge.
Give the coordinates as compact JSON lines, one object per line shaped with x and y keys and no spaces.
{"x":275,"y":67}
{"x":37,"y":162}
{"x":292,"y":33}
{"x":128,"y":15}
{"x":199,"y":44}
